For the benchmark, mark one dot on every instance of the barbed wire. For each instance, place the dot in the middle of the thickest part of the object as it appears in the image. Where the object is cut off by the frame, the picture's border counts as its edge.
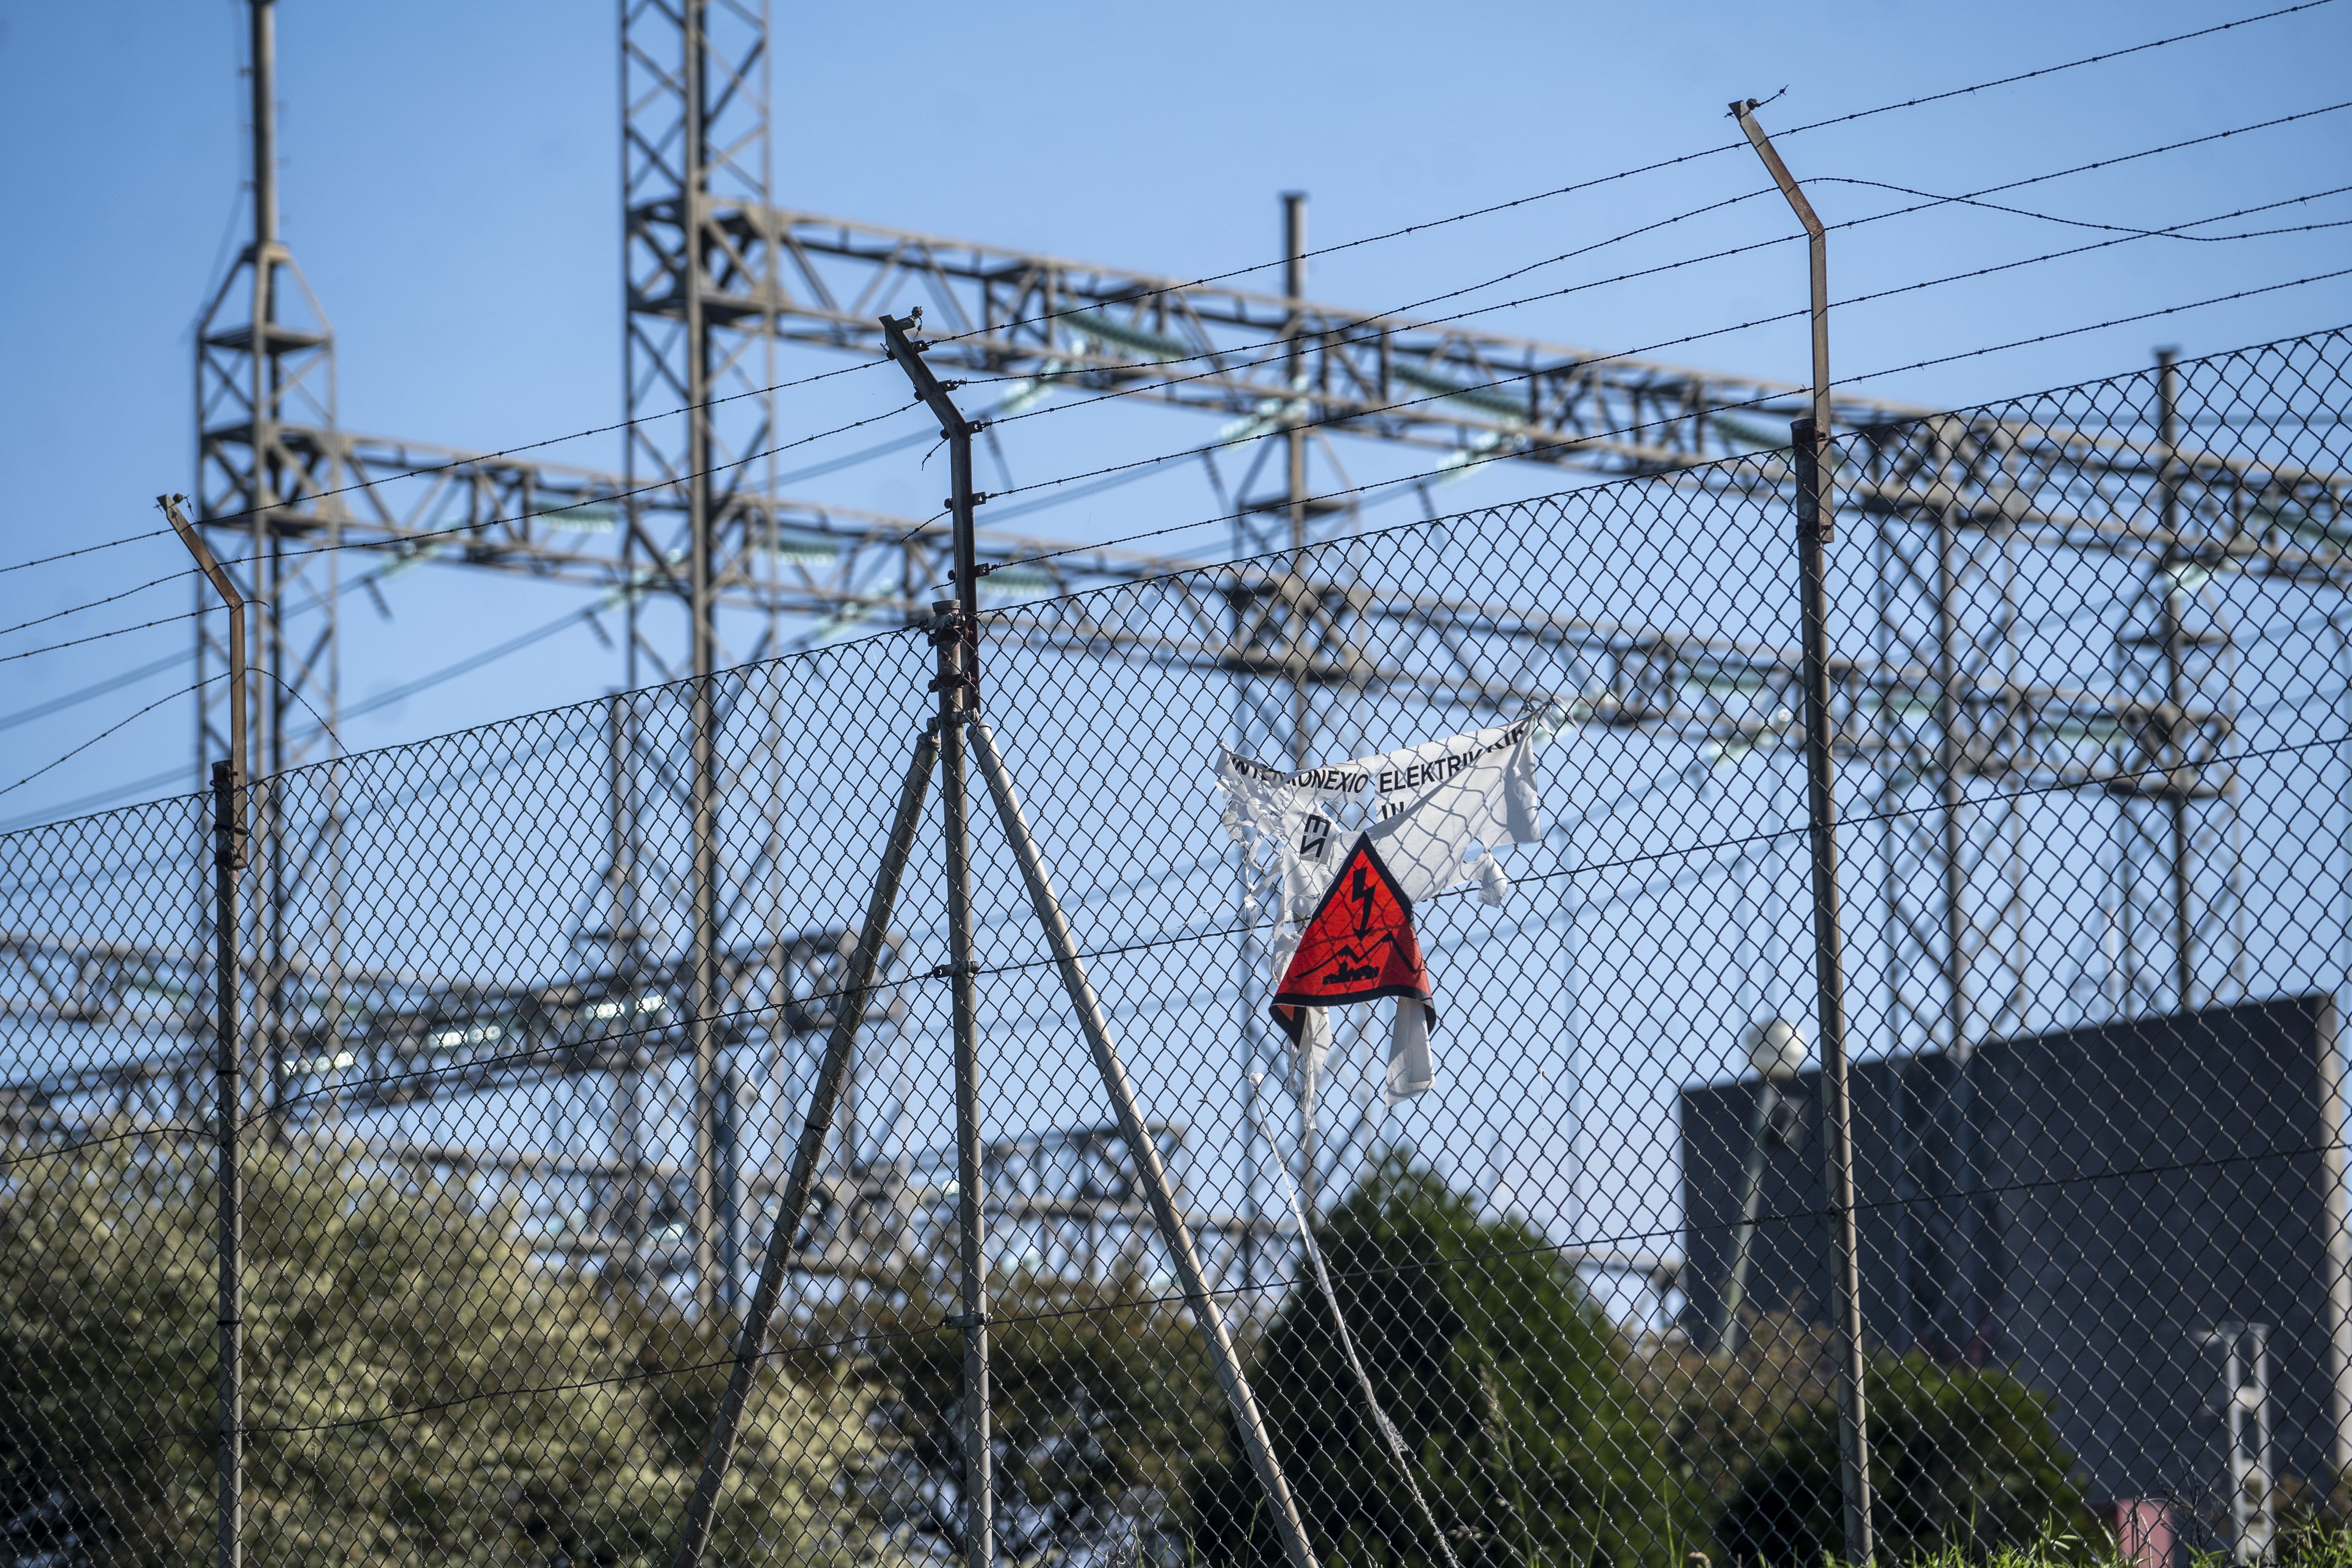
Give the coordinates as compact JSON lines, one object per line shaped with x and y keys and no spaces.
{"x":2100,"y":58}
{"x":102,"y":734}
{"x":1189,"y":452}
{"x":1379,"y":327}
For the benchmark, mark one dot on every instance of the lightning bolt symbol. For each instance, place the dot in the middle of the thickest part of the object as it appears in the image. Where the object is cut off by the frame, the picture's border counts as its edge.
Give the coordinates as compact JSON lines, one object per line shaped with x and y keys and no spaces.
{"x":1362,"y":893}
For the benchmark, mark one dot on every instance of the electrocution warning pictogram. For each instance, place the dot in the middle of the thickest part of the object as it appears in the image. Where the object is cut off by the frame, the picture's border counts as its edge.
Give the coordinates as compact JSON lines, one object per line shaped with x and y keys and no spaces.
{"x":1358,"y":946}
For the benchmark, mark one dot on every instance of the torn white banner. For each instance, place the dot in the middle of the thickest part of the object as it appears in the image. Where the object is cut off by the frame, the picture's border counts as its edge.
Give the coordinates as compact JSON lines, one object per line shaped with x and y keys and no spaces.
{"x":1433,"y":814}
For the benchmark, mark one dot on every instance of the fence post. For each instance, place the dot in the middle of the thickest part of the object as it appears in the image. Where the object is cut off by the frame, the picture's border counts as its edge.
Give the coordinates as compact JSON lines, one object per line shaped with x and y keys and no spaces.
{"x":1816,"y":526}
{"x":228,"y":1069}
{"x":956,"y":633}
{"x":955,"y":624}
{"x":1829,"y":994}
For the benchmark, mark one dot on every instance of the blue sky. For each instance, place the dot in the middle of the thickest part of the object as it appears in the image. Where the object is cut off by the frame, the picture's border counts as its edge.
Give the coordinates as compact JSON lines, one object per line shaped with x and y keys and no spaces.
{"x":450,"y":187}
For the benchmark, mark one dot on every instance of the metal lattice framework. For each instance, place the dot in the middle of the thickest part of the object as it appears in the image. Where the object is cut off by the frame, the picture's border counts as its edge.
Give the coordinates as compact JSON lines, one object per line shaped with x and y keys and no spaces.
{"x":481,"y":1228}
{"x":719,"y":280}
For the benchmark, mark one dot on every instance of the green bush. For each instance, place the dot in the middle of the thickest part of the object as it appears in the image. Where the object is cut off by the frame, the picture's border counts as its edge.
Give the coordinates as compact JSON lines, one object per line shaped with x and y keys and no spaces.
{"x":1719,"y":1414}
{"x":419,"y":1389}
{"x":1103,"y":1408}
{"x":1506,"y":1381}
{"x":1964,"y":1462}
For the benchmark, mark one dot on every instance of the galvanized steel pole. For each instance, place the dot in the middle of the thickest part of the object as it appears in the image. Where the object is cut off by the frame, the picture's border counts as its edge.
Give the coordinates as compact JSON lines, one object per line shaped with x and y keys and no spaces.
{"x":228,"y":1071}
{"x":1816,"y":512}
{"x":956,"y":633}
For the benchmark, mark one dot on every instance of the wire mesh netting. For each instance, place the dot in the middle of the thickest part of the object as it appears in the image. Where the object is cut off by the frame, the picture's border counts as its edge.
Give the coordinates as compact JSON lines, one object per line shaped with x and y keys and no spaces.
{"x":1542,"y":1272}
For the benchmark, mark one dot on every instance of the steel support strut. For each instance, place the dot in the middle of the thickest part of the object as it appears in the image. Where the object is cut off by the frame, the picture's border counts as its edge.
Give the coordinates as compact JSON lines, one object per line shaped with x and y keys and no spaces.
{"x":833,"y":1071}
{"x":1148,"y":1171}
{"x":228,"y":1069}
{"x":1816,"y":511}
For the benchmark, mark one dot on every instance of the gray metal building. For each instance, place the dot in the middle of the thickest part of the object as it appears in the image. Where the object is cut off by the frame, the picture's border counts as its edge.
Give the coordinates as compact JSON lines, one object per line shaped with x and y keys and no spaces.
{"x":2104,"y":1211}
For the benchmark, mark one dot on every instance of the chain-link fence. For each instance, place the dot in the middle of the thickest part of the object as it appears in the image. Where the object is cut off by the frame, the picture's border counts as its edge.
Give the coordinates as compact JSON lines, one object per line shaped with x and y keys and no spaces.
{"x":518,"y":1122}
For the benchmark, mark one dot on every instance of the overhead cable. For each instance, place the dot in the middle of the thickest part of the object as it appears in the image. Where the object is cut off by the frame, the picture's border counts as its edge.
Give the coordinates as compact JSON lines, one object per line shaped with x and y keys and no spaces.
{"x":1370,"y":411}
{"x":110,"y":730}
{"x":2100,"y":58}
{"x":97,"y":689}
{"x":466,"y":527}
{"x":1378,"y":327}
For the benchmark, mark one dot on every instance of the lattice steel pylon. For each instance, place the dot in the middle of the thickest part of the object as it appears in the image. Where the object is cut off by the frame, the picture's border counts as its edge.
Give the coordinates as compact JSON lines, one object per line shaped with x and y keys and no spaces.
{"x":1291,"y":652}
{"x":268,"y":461}
{"x":1963,"y":748}
{"x":694,"y":134}
{"x":720,"y":282}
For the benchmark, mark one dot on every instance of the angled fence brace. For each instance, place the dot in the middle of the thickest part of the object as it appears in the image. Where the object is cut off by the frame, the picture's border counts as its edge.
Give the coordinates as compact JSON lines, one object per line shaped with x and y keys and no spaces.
{"x":1816,"y":513}
{"x":228,"y":1064}
{"x":784,"y":1235}
{"x":1250,"y":1428}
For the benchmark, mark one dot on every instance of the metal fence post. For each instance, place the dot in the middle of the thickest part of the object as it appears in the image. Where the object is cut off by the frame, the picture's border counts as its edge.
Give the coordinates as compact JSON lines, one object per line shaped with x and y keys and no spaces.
{"x":956,"y":633}
{"x":1816,"y":525}
{"x":228,"y":1071}
{"x":1829,"y":992}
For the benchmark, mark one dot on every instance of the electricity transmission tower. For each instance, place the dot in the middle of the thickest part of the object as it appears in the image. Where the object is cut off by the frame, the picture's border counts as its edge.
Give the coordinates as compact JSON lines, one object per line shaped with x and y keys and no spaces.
{"x":709,"y":565}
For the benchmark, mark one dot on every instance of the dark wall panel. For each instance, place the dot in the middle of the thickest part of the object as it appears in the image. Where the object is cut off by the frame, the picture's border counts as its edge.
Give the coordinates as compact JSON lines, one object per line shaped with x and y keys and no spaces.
{"x":2083,"y":1208}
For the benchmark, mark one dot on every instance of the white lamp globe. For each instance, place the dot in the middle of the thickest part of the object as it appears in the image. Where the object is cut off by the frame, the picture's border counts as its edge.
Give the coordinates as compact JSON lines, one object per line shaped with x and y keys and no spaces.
{"x":1777,"y":1049}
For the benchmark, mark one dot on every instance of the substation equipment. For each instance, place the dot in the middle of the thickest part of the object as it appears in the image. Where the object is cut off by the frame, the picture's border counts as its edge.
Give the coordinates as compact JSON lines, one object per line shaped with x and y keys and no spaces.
{"x":705,"y":565}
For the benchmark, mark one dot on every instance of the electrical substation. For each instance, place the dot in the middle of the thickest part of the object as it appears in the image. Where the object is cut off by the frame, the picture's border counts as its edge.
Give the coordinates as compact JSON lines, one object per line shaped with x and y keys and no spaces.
{"x":631,"y":1104}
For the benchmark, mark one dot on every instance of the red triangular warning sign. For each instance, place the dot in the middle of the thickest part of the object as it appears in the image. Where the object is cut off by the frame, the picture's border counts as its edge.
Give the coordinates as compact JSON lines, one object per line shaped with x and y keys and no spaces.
{"x":1358,"y":945}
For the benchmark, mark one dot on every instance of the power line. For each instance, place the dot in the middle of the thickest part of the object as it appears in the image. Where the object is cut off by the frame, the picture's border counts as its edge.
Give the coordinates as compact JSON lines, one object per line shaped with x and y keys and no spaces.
{"x":1672,"y":163}
{"x":469,"y":461}
{"x":1260,"y":266}
{"x":102,"y":734}
{"x":466,"y":527}
{"x":526,"y":1055}
{"x":1671,"y":342}
{"x":115,"y":682}
{"x":99,"y":688}
{"x":50,"y":815}
{"x":467,"y":665}
{"x":1857,"y":299}
{"x":1408,"y":479}
{"x":1932,"y":201}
